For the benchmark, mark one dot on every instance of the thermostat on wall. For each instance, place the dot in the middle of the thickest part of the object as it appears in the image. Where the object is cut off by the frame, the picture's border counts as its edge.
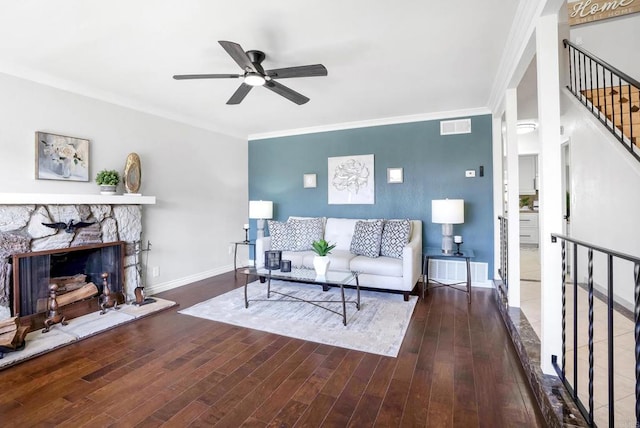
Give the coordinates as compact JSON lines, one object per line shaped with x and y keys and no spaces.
{"x":470,"y":173}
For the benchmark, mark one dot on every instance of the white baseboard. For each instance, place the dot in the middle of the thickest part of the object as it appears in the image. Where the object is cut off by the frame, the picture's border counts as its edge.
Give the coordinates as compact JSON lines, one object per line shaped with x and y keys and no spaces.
{"x":170,"y":285}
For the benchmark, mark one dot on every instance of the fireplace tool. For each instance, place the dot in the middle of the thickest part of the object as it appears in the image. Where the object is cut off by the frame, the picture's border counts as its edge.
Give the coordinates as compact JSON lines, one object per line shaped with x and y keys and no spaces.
{"x":139,"y":290}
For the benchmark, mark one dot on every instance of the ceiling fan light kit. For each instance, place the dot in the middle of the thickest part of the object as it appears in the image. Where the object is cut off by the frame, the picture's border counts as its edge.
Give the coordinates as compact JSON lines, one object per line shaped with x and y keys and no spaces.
{"x":254,"y":79}
{"x":254,"y":75}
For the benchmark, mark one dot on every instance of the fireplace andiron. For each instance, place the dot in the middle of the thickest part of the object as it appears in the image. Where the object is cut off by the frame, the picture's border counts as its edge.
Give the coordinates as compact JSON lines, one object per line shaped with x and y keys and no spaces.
{"x":108,"y":299}
{"x":53,"y":315}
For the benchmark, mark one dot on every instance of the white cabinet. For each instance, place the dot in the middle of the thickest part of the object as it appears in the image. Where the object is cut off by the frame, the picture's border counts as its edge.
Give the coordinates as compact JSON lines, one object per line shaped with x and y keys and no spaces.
{"x":528,"y":169}
{"x":529,"y":234}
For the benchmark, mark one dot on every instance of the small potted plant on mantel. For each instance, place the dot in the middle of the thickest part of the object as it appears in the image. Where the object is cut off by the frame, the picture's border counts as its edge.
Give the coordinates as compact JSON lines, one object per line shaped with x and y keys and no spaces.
{"x":108,"y":179}
{"x":321,"y":262}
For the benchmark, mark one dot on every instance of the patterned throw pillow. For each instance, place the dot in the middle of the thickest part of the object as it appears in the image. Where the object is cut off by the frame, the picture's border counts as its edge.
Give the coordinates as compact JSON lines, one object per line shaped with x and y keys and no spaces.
{"x":304,"y":232}
{"x":366,"y":238}
{"x":280,"y":235}
{"x":395,"y":236}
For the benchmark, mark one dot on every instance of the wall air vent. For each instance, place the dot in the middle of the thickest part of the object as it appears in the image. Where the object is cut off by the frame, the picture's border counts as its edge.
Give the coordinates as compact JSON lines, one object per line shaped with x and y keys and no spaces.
{"x":459,"y":126}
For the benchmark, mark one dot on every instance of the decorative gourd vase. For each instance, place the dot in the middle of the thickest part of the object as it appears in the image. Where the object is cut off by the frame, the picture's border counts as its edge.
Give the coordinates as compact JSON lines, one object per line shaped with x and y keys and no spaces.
{"x":321,"y":264}
{"x":132,"y":173}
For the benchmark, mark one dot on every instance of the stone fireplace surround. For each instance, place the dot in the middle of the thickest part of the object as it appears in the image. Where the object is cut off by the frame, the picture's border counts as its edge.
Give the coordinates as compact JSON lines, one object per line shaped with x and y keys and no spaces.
{"x":117,"y":218}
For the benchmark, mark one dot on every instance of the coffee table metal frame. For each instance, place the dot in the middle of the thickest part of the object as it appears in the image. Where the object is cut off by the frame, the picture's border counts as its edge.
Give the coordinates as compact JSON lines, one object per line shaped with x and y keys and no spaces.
{"x":306,"y":276}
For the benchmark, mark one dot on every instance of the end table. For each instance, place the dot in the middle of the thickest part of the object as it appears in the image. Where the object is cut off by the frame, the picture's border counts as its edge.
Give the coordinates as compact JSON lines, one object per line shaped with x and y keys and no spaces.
{"x":235,"y":255}
{"x":436,"y":253}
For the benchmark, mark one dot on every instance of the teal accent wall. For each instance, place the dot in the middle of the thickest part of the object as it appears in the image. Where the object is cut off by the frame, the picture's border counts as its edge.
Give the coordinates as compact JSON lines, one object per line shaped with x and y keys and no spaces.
{"x":434,"y":168}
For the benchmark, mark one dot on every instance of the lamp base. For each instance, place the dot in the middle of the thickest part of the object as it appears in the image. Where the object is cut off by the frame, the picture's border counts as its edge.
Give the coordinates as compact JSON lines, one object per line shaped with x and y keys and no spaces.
{"x":447,"y":239}
{"x":260,"y":228}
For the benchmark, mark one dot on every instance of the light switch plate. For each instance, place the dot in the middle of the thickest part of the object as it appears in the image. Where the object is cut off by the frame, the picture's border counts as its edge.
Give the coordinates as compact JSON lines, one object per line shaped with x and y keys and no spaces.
{"x":470,"y":173}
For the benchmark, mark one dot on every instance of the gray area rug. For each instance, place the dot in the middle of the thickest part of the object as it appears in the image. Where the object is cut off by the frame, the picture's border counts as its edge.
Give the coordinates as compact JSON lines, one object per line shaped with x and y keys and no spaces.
{"x":378,"y":327}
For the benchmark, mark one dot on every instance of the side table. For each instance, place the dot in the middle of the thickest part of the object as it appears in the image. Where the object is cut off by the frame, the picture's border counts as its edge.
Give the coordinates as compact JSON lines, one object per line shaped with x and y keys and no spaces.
{"x":436,"y":253}
{"x":235,"y":254}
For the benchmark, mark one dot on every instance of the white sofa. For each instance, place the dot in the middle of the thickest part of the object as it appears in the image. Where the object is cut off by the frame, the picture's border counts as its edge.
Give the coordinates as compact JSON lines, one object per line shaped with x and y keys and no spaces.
{"x":398,"y":275}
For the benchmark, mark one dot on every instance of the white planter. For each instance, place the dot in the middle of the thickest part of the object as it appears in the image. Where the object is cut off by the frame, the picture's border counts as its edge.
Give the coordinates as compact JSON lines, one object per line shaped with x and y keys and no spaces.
{"x":106,"y":189}
{"x":321,"y":264}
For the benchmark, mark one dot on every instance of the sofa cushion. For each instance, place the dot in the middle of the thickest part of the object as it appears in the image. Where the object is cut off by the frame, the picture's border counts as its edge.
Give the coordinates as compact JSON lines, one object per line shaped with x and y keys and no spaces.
{"x":395,"y":235}
{"x":296,"y":257}
{"x":366,"y":238}
{"x":339,"y":231}
{"x":386,"y":266}
{"x":304,"y":232}
{"x":339,"y":260}
{"x":280,"y":235}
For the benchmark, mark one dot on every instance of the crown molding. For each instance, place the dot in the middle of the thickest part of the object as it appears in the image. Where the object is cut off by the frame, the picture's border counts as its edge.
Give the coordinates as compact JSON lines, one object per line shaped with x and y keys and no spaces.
{"x":516,"y":50}
{"x":372,"y":122}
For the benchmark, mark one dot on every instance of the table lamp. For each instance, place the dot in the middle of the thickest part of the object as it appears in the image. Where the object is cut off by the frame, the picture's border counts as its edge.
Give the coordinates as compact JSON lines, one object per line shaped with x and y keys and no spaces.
{"x":447,"y":212}
{"x":261,"y":211}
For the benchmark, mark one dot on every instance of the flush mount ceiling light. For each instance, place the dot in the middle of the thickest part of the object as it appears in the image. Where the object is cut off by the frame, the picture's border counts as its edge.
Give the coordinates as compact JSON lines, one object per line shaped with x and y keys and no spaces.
{"x":254,"y":79}
{"x":526,"y":127}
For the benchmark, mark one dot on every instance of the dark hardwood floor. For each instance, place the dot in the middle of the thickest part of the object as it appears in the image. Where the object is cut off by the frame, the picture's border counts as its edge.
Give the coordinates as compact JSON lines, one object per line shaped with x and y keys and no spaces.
{"x":456,"y":368}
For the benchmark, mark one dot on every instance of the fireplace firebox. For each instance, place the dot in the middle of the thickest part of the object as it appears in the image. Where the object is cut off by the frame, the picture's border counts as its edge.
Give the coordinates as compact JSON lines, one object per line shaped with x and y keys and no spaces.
{"x":71,"y":269}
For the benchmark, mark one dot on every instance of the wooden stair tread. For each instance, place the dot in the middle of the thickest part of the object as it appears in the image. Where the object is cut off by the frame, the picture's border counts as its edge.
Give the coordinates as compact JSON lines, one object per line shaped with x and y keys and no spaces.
{"x":619,"y":104}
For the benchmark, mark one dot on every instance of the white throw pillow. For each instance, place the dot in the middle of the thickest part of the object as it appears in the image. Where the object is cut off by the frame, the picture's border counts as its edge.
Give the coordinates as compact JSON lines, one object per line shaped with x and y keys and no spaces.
{"x":366,"y":238}
{"x":395,"y":235}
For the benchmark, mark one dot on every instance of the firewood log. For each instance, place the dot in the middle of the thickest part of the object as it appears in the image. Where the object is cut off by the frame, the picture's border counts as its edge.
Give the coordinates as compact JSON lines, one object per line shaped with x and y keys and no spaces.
{"x":62,"y":281}
{"x":8,"y":325}
{"x":84,"y":292}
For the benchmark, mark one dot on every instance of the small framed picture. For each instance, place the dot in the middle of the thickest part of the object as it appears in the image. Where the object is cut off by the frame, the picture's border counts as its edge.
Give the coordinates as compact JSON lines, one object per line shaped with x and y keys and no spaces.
{"x":394,"y":175}
{"x":310,"y":181}
{"x":59,"y":157}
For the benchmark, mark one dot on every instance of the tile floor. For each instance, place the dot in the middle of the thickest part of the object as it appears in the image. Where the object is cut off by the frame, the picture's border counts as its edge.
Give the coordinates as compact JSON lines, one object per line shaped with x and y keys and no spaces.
{"x":624,"y":345}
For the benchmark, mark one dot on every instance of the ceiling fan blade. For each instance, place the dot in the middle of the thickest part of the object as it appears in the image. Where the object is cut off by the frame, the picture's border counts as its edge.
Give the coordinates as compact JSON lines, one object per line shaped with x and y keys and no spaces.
{"x":206,"y":76}
{"x":239,"y":94}
{"x":238,"y":54}
{"x":301,"y":71}
{"x":288,"y":93}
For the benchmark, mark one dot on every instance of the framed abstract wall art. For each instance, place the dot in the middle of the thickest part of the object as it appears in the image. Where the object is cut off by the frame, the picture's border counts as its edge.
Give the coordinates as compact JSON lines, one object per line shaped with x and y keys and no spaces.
{"x":351,"y":180}
{"x":59,"y":157}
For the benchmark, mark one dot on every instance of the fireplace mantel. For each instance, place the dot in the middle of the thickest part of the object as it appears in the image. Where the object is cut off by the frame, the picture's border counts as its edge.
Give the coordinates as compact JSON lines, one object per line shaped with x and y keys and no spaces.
{"x":73,"y":199}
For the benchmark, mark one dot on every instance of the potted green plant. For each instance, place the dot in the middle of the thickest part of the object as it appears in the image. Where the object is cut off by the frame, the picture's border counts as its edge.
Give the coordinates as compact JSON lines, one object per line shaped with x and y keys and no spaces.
{"x":108,"y":179}
{"x":321,"y":262}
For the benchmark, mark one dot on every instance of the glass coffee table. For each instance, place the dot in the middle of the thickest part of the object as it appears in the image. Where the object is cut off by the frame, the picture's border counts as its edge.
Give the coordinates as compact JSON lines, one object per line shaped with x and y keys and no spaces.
{"x":306,"y":276}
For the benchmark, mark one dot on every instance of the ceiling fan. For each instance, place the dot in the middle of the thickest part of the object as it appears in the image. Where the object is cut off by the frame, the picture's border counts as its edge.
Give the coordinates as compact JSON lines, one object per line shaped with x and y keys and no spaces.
{"x":254,"y":75}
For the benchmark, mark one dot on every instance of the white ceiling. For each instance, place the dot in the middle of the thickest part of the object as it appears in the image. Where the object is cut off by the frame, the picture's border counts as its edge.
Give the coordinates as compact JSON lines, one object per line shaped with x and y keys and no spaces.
{"x":385,"y":59}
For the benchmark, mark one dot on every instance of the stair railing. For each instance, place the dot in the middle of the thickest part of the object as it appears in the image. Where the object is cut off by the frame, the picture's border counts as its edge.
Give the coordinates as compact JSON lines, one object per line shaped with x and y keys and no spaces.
{"x":611,"y":95}
{"x":572,"y":383}
{"x":503,"y":267}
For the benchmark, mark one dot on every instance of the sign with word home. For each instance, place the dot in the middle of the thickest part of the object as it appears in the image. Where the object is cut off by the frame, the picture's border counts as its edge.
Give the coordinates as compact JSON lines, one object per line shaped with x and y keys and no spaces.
{"x":584,"y":11}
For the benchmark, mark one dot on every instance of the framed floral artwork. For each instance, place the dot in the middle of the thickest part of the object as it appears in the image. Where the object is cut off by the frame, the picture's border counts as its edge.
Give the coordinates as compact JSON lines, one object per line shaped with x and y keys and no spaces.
{"x":59,"y":157}
{"x":351,"y":180}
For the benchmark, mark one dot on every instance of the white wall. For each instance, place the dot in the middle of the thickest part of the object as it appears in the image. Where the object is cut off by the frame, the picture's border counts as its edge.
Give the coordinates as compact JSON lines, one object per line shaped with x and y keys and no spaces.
{"x":604,"y":189}
{"x":199,"y":177}
{"x":529,"y":144}
{"x":613,"y":40}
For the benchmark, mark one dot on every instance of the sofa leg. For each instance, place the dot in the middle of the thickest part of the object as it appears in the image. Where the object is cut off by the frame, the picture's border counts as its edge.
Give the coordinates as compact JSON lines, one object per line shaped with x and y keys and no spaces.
{"x":325,"y":287}
{"x":406,"y":296}
{"x":262,"y":280}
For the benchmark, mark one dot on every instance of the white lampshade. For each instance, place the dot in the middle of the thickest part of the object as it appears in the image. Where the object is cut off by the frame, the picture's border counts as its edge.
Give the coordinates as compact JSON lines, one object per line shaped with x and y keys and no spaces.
{"x":261,"y":209}
{"x":447,"y":211}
